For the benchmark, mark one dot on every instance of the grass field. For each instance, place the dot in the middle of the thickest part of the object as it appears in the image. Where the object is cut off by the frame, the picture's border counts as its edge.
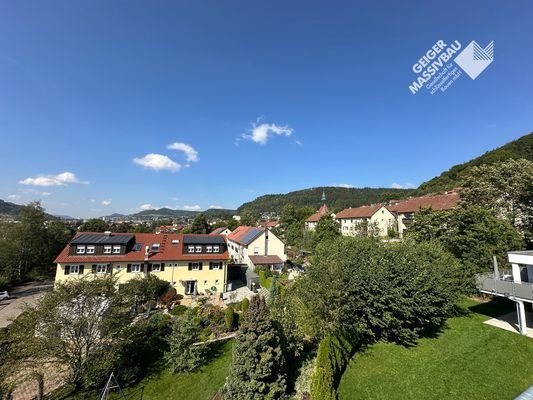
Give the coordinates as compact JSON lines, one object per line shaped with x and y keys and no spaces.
{"x":467,"y":360}
{"x":161,"y":384}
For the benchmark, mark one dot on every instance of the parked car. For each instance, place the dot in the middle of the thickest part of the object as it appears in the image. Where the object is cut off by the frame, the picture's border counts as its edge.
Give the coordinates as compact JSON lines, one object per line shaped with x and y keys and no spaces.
{"x":4,"y":295}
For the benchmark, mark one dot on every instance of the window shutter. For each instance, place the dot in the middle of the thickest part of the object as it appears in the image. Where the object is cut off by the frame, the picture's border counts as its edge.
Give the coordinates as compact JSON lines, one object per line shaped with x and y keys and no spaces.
{"x":149,"y":267}
{"x":67,"y":269}
{"x":94,"y":269}
{"x":81,"y":269}
{"x":190,"y":266}
{"x":108,"y":268}
{"x":201,"y":266}
{"x":162,"y":266}
{"x":128,"y":268}
{"x":210,"y":265}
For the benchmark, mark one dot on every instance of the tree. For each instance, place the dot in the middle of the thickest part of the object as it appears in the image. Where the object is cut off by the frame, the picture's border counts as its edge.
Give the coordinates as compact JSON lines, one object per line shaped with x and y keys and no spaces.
{"x":258,"y":369}
{"x":144,"y":290}
{"x":79,"y":325}
{"x":504,"y":189}
{"x":326,"y":229}
{"x":94,"y":225}
{"x":229,"y":318}
{"x":183,"y":355}
{"x":248,"y":219}
{"x":200,"y":225}
{"x":377,"y":291}
{"x":472,"y":234}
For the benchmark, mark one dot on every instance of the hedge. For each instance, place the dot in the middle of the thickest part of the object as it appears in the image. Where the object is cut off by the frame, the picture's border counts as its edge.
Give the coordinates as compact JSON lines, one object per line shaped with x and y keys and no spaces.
{"x":334,"y":353}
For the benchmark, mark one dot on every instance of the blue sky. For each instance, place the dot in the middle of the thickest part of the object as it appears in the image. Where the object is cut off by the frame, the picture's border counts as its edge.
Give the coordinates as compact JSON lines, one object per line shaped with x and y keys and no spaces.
{"x":251,"y":97}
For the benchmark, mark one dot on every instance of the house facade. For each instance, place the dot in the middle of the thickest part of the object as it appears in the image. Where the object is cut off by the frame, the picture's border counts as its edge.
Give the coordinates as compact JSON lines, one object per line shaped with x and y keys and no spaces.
{"x":404,"y":210}
{"x":375,"y":219}
{"x":247,"y":241}
{"x":311,"y":222}
{"x":221,"y":231}
{"x":191,"y":263}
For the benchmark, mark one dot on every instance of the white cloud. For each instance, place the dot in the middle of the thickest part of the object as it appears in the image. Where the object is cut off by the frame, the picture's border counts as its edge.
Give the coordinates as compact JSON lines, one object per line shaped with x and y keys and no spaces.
{"x":261,"y":133}
{"x":299,"y":143}
{"x":196,"y":207}
{"x":106,"y":202}
{"x":216,"y":206}
{"x":407,"y":185}
{"x":45,"y":193}
{"x":191,"y":155}
{"x":144,"y":207}
{"x":13,"y":197}
{"x":61,"y":179}
{"x":157,"y":162}
{"x":344,"y":185}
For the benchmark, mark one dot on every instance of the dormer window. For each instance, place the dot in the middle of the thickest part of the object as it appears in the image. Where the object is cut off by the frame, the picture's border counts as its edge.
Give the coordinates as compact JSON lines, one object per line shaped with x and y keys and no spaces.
{"x":116,"y":249}
{"x":216,"y":249}
{"x":80,"y":250}
{"x":107,"y":249}
{"x":198,"y":249}
{"x":90,"y":250}
{"x":190,"y":249}
{"x":209,"y":249}
{"x":155,"y":247}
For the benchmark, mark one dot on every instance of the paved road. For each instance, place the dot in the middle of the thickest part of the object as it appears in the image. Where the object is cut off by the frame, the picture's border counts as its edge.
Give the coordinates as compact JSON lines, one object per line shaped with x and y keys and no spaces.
{"x":27,"y":293}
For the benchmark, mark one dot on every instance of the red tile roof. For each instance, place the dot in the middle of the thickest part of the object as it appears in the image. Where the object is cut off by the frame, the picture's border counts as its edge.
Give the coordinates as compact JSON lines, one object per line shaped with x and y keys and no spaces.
{"x":323,"y":210}
{"x":359,"y":212}
{"x":436,"y":202}
{"x":268,"y":224}
{"x":245,"y":234}
{"x":218,"y":231}
{"x":265,"y":260}
{"x":167,"y":251}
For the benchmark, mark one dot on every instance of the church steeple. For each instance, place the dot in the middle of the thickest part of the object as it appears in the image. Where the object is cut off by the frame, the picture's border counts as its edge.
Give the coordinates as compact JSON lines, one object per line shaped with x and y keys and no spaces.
{"x":323,"y":196}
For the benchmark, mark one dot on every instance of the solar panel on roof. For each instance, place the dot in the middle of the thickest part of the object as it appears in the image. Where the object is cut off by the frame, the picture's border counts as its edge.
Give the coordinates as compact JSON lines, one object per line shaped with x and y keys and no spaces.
{"x":206,"y":239}
{"x":249,"y":236}
{"x":102,"y":239}
{"x":137,"y":247}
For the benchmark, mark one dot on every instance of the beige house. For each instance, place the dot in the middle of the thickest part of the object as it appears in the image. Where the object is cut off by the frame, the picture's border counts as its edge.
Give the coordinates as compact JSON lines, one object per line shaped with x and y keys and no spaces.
{"x":404,"y":210}
{"x":311,"y":222}
{"x":247,"y":241}
{"x":191,"y":263}
{"x":375,"y":219}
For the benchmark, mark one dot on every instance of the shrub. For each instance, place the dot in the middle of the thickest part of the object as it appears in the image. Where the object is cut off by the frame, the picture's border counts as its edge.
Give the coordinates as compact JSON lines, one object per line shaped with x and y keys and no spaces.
{"x":178,"y":310}
{"x":228,"y":317}
{"x":168,"y":298}
{"x":4,"y":283}
{"x":245,"y":303}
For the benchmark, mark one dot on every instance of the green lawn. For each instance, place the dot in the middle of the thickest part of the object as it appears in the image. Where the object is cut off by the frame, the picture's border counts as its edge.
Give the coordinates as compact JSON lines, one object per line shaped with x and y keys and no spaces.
{"x":198,"y":385}
{"x":467,"y":360}
{"x":161,"y":384}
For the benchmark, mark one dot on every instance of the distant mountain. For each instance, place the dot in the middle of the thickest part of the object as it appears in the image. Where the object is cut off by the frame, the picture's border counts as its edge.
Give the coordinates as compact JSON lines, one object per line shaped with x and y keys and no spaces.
{"x":12,"y":210}
{"x":170,"y":213}
{"x":337,"y":198}
{"x":520,"y":148}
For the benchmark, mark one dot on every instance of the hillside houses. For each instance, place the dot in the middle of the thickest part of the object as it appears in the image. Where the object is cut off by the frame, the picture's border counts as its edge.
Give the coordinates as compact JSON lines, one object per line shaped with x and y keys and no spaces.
{"x":381,"y":219}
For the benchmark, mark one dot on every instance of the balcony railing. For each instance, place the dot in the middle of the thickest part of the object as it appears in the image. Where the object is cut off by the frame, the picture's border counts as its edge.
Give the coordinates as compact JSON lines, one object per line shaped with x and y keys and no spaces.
{"x":503,"y":285}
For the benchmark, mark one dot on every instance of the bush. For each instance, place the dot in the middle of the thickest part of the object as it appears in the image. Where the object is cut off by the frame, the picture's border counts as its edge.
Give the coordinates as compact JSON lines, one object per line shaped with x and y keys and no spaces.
{"x":245,"y":303}
{"x":178,"y":310}
{"x":228,"y":317}
{"x":4,"y":283}
{"x":334,"y":353}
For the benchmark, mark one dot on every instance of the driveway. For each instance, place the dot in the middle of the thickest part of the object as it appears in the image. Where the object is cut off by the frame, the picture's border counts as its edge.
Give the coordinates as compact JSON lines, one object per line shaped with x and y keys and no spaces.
{"x":26,"y":293}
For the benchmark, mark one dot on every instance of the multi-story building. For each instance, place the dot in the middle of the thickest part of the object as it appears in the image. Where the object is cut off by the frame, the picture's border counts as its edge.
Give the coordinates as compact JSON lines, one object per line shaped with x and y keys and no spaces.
{"x":375,"y":220}
{"x":248,"y":241}
{"x":191,"y":263}
{"x":404,"y":210}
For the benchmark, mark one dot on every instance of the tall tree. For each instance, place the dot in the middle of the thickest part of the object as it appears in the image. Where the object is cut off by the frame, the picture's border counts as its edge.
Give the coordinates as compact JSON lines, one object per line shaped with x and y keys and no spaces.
{"x":504,"y":189}
{"x":183,"y":355}
{"x":326,"y":229}
{"x":200,"y":225}
{"x":258,"y":369}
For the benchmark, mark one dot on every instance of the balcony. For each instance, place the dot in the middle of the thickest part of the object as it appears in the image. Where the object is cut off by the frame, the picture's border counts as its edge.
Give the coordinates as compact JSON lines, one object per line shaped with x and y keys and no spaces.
{"x":503,"y":285}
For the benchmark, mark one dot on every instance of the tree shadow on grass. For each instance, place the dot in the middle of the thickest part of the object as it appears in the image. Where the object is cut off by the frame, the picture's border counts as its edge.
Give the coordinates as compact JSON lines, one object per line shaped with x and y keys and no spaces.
{"x":494,"y":308}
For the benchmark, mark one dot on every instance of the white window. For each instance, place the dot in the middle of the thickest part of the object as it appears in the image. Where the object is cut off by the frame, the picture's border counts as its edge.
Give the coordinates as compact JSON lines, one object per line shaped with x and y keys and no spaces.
{"x":190,"y":249}
{"x":198,"y":249}
{"x":90,"y":250}
{"x":74,"y":269}
{"x":156,"y":267}
{"x":256,"y":250}
{"x":80,"y":250}
{"x":175,"y":242}
{"x":101,"y":268}
{"x":216,"y":265}
{"x":116,"y":249}
{"x":135,"y":267}
{"x":216,"y":249}
{"x":155,"y":247}
{"x":107,"y":249}
{"x":195,"y":266}
{"x":209,"y":249}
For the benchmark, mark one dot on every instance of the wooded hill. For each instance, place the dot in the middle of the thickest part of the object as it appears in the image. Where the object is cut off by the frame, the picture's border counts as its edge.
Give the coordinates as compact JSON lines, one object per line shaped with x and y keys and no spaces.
{"x":520,"y":148}
{"x":337,"y":198}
